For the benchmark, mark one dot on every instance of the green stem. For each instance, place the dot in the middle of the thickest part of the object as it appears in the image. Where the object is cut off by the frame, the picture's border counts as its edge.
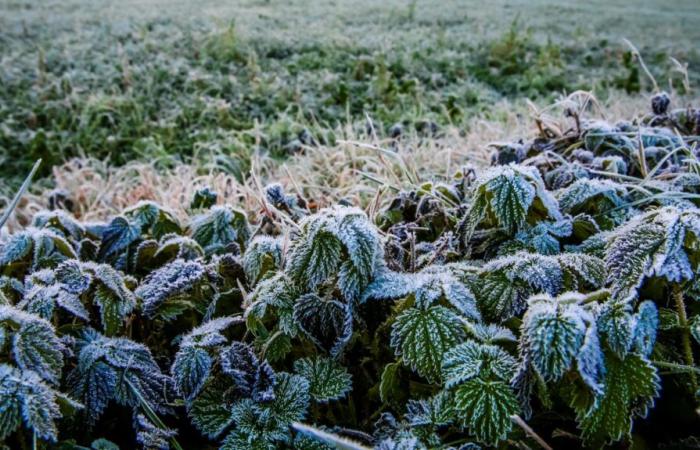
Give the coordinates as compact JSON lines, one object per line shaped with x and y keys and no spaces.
{"x":676,"y":368}
{"x":685,"y":334}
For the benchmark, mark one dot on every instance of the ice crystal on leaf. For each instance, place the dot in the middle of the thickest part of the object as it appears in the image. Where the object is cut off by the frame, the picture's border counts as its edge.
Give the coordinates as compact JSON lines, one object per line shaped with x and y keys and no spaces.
{"x":471,"y":359}
{"x":337,"y":242}
{"x":558,"y":333}
{"x":152,"y":219}
{"x":34,"y":249}
{"x":428,"y":287}
{"x":115,"y":369}
{"x":326,"y":322}
{"x":485,"y":408}
{"x":508,"y":197}
{"x":422,"y":337}
{"x":654,"y":244}
{"x":175,"y":287}
{"x":220,"y":228}
{"x":33,"y":343}
{"x":505,"y":283}
{"x":328,"y":380}
{"x":263,"y":256}
{"x":25,"y":398}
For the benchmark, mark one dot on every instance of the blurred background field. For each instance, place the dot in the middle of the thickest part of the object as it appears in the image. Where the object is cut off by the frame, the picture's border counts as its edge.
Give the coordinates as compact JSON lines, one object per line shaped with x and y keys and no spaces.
{"x":280,"y":87}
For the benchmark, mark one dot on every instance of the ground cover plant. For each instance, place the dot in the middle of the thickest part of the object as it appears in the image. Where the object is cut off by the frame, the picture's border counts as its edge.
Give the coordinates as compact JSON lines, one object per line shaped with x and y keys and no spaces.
{"x":548,"y":300}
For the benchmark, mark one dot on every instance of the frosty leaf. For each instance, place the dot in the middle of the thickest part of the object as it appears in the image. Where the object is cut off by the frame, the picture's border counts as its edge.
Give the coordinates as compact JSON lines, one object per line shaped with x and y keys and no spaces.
{"x":291,"y":398}
{"x":505,"y":283}
{"x":651,"y":245}
{"x":432,"y":412}
{"x":178,"y":280}
{"x":35,"y":346}
{"x":152,"y":219}
{"x":508,"y":197}
{"x":190,"y":370}
{"x":695,"y":328}
{"x":24,"y":397}
{"x":630,"y":386}
{"x":113,"y":368}
{"x":543,"y":237}
{"x":263,"y":255}
{"x":193,"y":362}
{"x":646,"y":322}
{"x":210,"y":412}
{"x":113,"y":298}
{"x":34,"y":249}
{"x":428,"y":286}
{"x":485,"y":408}
{"x":117,"y":237}
{"x":250,"y":376}
{"x":616,"y":324}
{"x":327,"y":323}
{"x":595,"y":197}
{"x":555,"y":332}
{"x":491,"y":333}
{"x":328,"y":380}
{"x":471,"y":359}
{"x":61,"y":222}
{"x":219,"y":228}
{"x":150,"y":437}
{"x":421,"y":338}
{"x":336,"y":237}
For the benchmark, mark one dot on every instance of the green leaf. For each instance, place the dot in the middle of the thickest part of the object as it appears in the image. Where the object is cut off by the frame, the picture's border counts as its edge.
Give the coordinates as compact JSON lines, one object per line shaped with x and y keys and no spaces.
{"x":328,"y":380}
{"x":471,"y":359}
{"x":421,"y":338}
{"x":219,"y":228}
{"x":210,"y":412}
{"x":485,"y":408}
{"x":630,"y":386}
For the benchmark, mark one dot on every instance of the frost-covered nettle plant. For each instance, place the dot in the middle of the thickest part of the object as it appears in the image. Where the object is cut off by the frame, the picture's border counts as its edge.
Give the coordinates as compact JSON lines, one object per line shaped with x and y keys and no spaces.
{"x":549,"y":302}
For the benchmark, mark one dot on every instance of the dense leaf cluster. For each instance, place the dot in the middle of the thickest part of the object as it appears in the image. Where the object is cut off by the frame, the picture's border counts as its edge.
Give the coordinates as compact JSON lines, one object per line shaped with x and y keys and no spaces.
{"x":551,"y":298}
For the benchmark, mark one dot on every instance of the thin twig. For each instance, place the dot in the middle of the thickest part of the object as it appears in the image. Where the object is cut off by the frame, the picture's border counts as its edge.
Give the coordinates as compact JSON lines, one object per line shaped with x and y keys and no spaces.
{"x":25,"y":185}
{"x":529,"y":431}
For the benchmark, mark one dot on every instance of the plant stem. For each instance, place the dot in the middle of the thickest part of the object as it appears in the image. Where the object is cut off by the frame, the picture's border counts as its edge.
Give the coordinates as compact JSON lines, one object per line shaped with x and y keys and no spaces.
{"x":676,"y":368}
{"x":685,"y":334}
{"x":25,"y":185}
{"x":529,"y":431}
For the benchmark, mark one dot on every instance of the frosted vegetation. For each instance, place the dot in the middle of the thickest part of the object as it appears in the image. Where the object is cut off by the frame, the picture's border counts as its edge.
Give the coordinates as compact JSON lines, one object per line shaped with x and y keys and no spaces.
{"x":550,"y":299}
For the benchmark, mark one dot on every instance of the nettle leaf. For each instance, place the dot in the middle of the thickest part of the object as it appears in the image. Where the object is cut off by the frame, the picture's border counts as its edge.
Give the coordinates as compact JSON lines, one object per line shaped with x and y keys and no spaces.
{"x":34,"y":249}
{"x":176,"y":287}
{"x":25,"y":398}
{"x":428,"y":287}
{"x":435,"y":411}
{"x":651,"y":245}
{"x":422,"y":336}
{"x":274,"y":296}
{"x":220,"y":228}
{"x":252,"y":377}
{"x":263,"y":255}
{"x":115,"y":369}
{"x":328,"y":380}
{"x":505,"y":283}
{"x":558,"y":332}
{"x":630,"y":386}
{"x":544,"y":237}
{"x":603,"y":199}
{"x":153,"y":219}
{"x":150,"y":437}
{"x":616,"y":325}
{"x":117,"y":237}
{"x":485,"y":408}
{"x":337,"y":241}
{"x":210,"y":411}
{"x":471,"y":359}
{"x":646,"y":324}
{"x":114,"y":299}
{"x":193,"y":361}
{"x":327,"y":323}
{"x":508,"y":197}
{"x":60,"y":222}
{"x":694,"y":324}
{"x":267,"y":425}
{"x":34,"y":344}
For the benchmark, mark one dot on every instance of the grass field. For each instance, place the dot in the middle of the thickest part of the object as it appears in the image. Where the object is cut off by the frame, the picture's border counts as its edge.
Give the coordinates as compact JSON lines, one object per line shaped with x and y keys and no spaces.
{"x":217,"y":82}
